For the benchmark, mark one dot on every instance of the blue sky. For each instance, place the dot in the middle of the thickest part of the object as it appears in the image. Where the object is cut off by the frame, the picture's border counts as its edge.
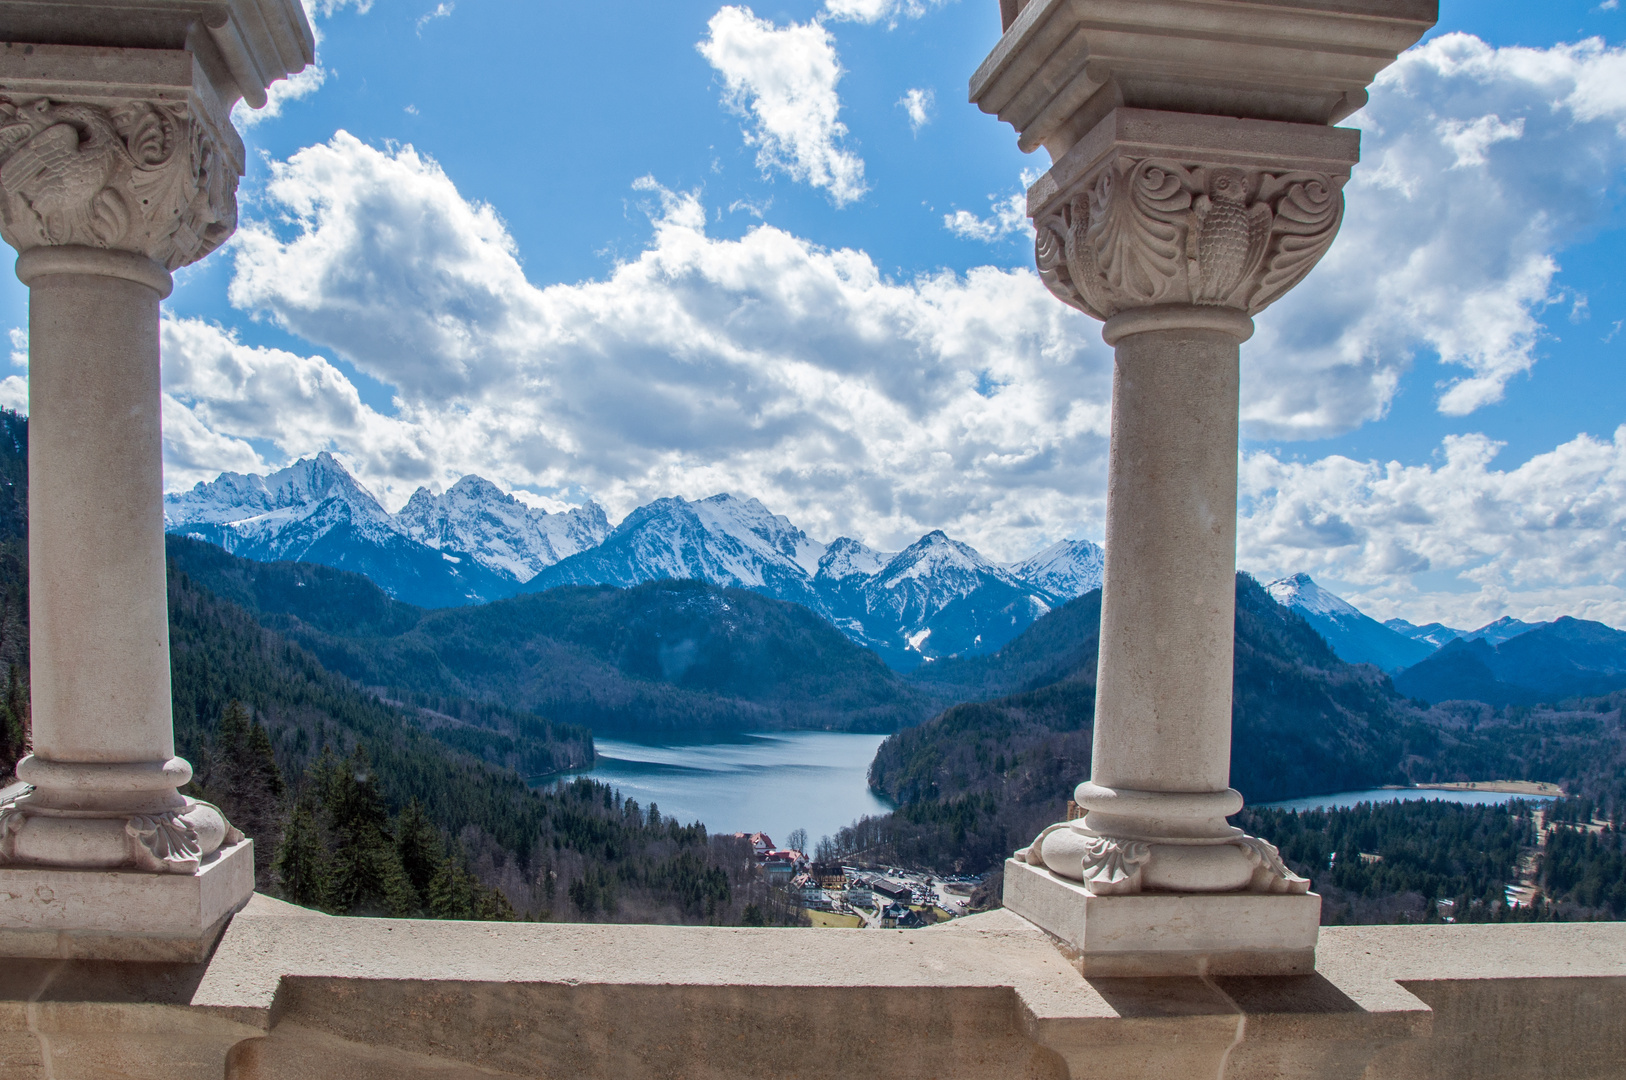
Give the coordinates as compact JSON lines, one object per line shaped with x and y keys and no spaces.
{"x":623,"y":250}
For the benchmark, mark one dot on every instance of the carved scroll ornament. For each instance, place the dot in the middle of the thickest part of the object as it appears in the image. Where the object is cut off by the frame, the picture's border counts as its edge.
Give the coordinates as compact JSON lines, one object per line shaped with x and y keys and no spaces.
{"x":1112,"y":866}
{"x":172,"y":842}
{"x":1271,"y":875}
{"x":1141,"y":232}
{"x":142,"y":177}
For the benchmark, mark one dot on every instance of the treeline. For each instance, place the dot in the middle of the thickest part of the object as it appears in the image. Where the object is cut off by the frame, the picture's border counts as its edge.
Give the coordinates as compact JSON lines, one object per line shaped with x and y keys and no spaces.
{"x":1379,"y":862}
{"x":666,"y":654}
{"x":1580,"y":744}
{"x":13,"y":589}
{"x":1388,"y":862}
{"x":371,"y":801}
{"x":334,"y":840}
{"x":971,"y":834}
{"x":378,"y":815}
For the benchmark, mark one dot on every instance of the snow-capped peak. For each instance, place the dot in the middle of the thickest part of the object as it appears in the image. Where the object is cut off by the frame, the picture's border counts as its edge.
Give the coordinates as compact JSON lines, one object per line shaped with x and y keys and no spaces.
{"x":1067,"y":568}
{"x":935,"y":555}
{"x":846,"y":557}
{"x":1300,"y":592}
{"x":235,"y":499}
{"x":1503,"y":629}
{"x":500,"y":532}
{"x":758,"y":529}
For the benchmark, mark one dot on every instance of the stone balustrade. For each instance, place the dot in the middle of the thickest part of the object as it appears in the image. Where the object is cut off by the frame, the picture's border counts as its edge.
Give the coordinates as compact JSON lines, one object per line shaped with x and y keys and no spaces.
{"x":292,"y":994}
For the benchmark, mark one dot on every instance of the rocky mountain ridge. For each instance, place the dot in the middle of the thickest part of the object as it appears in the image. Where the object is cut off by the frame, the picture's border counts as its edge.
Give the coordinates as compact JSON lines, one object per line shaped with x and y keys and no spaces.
{"x":476,"y":543}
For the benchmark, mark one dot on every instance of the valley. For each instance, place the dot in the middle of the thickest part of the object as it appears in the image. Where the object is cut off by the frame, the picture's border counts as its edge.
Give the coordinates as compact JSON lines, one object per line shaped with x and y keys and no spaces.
{"x":444,"y":710}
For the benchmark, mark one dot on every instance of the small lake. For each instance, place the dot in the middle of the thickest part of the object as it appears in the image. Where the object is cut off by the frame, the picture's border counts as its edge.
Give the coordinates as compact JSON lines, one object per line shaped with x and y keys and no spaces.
{"x":772,"y":783}
{"x":1344,"y":799}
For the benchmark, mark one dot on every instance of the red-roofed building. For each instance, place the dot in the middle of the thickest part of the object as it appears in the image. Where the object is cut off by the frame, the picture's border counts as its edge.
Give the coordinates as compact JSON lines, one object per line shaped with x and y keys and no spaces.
{"x":761,"y":843}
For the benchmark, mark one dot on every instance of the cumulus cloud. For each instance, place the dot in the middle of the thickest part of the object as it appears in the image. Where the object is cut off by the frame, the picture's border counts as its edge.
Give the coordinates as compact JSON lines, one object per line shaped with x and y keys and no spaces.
{"x":766,"y":365}
{"x":917,"y":105}
{"x":221,"y":396}
{"x":771,"y":366}
{"x":1007,"y":216}
{"x":1478,"y":166}
{"x":782,"y":79}
{"x":1459,"y":540}
{"x":874,"y":11}
{"x":14,"y":388}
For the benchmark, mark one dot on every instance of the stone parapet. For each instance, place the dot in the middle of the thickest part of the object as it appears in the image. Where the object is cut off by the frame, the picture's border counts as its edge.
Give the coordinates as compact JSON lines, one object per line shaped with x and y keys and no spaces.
{"x":293,"y":994}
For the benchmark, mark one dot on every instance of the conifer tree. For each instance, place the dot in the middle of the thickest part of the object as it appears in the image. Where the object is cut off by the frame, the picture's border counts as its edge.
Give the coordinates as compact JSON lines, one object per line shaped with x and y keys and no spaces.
{"x":367,"y":875}
{"x":451,"y":892}
{"x":421,"y":849}
{"x":242,"y":778}
{"x":13,"y":721}
{"x":301,"y":867}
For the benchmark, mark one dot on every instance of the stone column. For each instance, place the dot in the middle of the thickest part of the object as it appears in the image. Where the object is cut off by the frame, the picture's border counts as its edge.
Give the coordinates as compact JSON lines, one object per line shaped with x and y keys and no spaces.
{"x":117,"y":166}
{"x":1174,"y":229}
{"x":1195,"y":179}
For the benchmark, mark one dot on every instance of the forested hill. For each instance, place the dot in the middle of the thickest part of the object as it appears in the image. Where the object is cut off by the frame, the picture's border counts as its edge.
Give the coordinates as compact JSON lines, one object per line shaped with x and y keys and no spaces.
{"x":663,"y":655}
{"x":1303,"y":720}
{"x":977,"y":781}
{"x":362,"y":805}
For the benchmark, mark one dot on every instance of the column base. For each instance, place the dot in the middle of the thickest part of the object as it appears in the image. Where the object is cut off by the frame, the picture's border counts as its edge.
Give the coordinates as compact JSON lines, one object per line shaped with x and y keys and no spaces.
{"x":1169,"y":934}
{"x":123,"y":914}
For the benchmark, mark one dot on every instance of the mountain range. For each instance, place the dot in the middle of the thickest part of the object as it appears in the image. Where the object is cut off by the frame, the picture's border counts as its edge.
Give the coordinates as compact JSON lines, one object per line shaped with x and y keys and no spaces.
{"x":936,"y":599}
{"x":475,"y":543}
{"x":1506,"y":662}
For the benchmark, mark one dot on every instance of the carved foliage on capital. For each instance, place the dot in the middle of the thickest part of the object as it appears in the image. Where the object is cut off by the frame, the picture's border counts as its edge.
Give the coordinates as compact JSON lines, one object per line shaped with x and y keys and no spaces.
{"x":142,"y":177}
{"x":1140,"y":232}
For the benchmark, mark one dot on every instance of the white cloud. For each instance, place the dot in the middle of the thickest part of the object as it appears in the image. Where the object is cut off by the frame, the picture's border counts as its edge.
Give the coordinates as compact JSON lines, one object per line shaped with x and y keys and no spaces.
{"x":1459,"y":541}
{"x":279,"y":94}
{"x":1007,"y":216}
{"x":873,"y":11}
{"x":1479,"y":166}
{"x":14,"y":388}
{"x":1469,"y":139}
{"x":219,"y":394}
{"x":770,"y":366}
{"x":782,"y":79}
{"x":325,"y":8}
{"x":764,"y":365}
{"x":304,"y":83}
{"x":917,"y":105}
{"x":441,"y":11}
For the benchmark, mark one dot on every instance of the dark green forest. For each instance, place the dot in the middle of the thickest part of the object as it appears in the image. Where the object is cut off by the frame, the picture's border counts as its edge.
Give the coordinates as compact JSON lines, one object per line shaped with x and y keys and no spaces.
{"x":379,"y":752}
{"x":364,"y":803}
{"x":979,"y":780}
{"x":672,"y":654}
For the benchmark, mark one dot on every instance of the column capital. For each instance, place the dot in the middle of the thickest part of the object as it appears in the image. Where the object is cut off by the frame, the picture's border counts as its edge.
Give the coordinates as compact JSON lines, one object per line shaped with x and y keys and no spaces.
{"x":1171,"y":211}
{"x":126,"y":150}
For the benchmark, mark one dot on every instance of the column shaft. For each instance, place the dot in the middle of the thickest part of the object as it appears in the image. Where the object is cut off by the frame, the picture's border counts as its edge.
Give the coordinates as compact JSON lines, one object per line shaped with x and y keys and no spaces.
{"x":100,"y":630}
{"x":1163,"y":694}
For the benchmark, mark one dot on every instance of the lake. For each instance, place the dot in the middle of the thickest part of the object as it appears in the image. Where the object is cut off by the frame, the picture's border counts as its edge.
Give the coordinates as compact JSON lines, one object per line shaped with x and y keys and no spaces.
{"x":1345,"y":799}
{"x":772,"y":783}
{"x":817,"y":780}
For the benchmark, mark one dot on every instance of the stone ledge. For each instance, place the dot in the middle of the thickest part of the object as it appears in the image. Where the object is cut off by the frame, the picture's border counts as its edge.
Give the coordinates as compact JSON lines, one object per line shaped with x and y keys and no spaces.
{"x":291,"y":994}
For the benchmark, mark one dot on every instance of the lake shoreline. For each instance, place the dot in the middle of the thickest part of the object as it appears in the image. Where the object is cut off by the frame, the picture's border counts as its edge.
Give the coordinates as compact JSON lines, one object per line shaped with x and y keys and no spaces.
{"x":1537,"y":788}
